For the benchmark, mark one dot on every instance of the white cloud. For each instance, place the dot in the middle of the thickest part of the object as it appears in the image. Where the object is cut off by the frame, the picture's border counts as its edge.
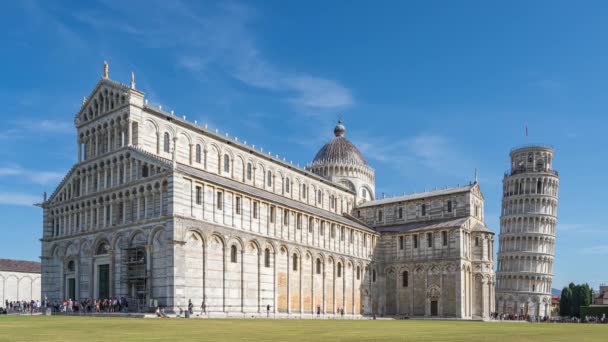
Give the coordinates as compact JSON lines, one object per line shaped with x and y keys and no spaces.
{"x":17,"y":198}
{"x":596,"y":250}
{"x":221,"y":36}
{"x":429,"y":150}
{"x":35,"y":176}
{"x":22,"y":128}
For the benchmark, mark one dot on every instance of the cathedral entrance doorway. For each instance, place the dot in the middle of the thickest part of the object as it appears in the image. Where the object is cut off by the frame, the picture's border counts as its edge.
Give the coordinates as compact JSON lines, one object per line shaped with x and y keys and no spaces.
{"x":434,"y":307}
{"x":71,"y":288}
{"x":103,"y":281}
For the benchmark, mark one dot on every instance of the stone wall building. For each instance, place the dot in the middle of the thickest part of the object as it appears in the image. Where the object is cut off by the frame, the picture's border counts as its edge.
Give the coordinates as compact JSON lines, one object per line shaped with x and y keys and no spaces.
{"x":161,"y":210}
{"x":527,"y":233}
{"x":19,"y":281}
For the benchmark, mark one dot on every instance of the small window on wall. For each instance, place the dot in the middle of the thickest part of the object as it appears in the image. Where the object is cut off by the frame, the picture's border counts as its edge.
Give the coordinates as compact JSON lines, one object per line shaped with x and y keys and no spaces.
{"x":423,"y":209}
{"x":400,"y":212}
{"x":318,"y":266}
{"x":249,"y":171}
{"x":404,"y":281}
{"x":295,"y":262}
{"x":429,"y":239}
{"x":311,"y":224}
{"x":339,"y":270}
{"x":444,"y":238}
{"x":198,"y":153}
{"x":299,"y":222}
{"x":415,"y":241}
{"x":220,"y":200}
{"x":167,"y":143}
{"x":380,"y":215}
{"x":255,"y":210}
{"x":476,"y":242}
{"x":269,"y":178}
{"x":233,"y":256}
{"x":71,"y":266}
{"x":374,"y":276}
{"x":267,"y":257}
{"x":332,"y":232}
{"x":226,"y":163}
{"x":401,"y":242}
{"x":358,"y":272}
{"x":238,"y":205}
{"x":198,"y":195}
{"x":322,"y":228}
{"x":285,"y":216}
{"x":272,"y":209}
{"x":449,"y":206}
{"x":320,"y":197}
{"x":144,"y":171}
{"x":287,"y":186}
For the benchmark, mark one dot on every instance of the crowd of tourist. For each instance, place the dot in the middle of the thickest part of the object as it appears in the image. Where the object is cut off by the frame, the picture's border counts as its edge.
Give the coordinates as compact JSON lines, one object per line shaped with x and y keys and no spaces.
{"x":542,"y":319}
{"x":108,"y":305}
{"x":20,"y":306}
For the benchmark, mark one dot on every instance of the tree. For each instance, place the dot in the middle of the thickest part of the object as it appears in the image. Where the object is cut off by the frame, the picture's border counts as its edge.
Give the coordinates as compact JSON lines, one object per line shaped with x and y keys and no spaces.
{"x":573,"y":297}
{"x":565,"y":302}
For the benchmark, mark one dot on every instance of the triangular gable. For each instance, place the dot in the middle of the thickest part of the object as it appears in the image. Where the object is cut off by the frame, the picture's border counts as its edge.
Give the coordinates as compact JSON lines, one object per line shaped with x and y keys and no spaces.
{"x":107,"y":96}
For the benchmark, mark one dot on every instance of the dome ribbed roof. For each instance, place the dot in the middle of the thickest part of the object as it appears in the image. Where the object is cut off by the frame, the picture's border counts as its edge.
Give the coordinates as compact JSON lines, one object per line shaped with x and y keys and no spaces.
{"x":339,"y":150}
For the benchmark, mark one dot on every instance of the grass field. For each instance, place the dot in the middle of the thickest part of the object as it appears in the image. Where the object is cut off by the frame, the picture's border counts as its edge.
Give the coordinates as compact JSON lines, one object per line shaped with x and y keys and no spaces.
{"x":59,"y":328}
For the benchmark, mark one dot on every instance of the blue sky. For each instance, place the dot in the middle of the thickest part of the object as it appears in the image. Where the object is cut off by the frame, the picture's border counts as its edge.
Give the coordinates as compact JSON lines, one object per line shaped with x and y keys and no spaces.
{"x":429,"y":91}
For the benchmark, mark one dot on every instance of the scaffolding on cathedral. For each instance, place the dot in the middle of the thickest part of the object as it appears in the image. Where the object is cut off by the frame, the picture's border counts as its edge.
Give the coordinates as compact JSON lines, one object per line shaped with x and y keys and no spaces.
{"x":135,"y":277}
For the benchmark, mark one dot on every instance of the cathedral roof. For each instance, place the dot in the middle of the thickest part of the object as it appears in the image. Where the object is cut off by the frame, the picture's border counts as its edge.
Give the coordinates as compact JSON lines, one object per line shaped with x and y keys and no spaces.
{"x":423,"y":225}
{"x":339,"y":150}
{"x":420,"y":195}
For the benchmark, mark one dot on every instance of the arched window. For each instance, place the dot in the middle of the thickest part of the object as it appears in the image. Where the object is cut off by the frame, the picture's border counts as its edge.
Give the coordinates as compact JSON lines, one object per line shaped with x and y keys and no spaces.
{"x":339,"y":270}
{"x":400,"y":213}
{"x":167,"y":143}
{"x":379,"y":215}
{"x":358,"y":272}
{"x":533,"y":287}
{"x":269,"y":178}
{"x":320,"y":197}
{"x":363,"y":193}
{"x":144,"y":171}
{"x":103,"y":248}
{"x":249,"y":171}
{"x":311,"y":224}
{"x":539,"y":187}
{"x":267,"y":257}
{"x":71,"y":266}
{"x":287,"y":185}
{"x":295,"y":262}
{"x":318,"y":266}
{"x":226,"y":163}
{"x":233,"y":253}
{"x":404,"y":279}
{"x":198,"y":153}
{"x":374,"y":276}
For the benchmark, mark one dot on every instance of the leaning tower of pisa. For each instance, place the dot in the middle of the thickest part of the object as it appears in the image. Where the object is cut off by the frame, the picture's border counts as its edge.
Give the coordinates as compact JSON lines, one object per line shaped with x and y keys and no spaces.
{"x":527,"y":233}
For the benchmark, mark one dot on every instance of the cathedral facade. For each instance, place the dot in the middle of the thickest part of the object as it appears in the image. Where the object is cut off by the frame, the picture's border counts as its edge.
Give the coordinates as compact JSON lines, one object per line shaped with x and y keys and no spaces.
{"x":163,"y":211}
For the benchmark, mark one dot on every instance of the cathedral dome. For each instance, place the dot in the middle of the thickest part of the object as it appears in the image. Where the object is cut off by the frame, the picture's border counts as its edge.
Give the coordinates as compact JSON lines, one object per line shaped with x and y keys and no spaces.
{"x":339,"y":150}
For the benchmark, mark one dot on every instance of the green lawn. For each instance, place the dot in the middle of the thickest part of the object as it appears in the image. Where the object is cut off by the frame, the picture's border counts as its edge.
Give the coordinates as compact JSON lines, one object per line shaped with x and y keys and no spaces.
{"x":59,"y":328}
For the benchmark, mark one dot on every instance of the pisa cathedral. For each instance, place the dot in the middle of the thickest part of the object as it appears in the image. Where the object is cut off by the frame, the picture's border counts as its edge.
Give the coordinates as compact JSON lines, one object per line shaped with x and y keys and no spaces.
{"x":161,"y":211}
